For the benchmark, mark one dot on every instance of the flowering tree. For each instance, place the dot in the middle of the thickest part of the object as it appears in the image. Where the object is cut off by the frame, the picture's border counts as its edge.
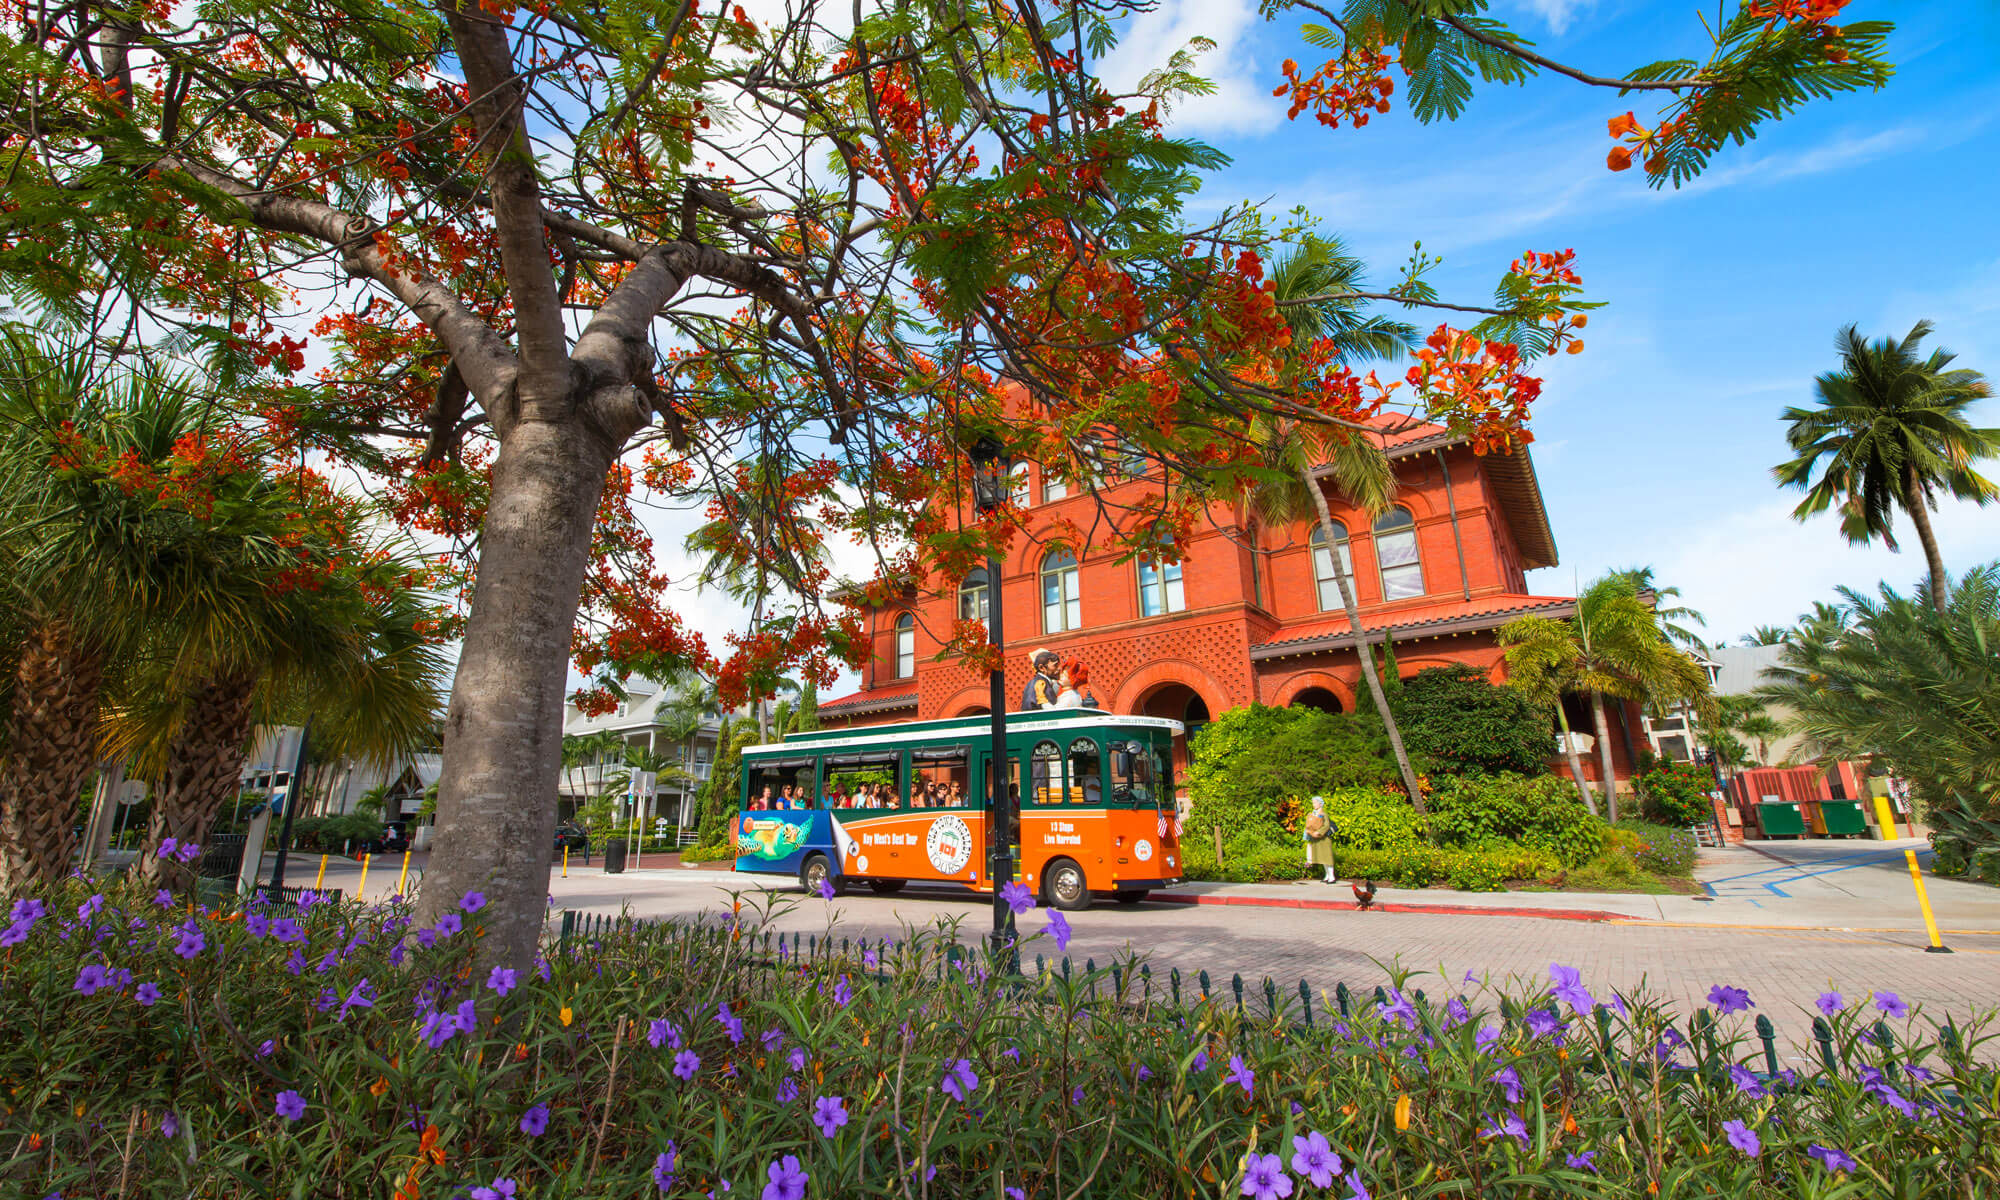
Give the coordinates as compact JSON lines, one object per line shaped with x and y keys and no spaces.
{"x":564,"y":255}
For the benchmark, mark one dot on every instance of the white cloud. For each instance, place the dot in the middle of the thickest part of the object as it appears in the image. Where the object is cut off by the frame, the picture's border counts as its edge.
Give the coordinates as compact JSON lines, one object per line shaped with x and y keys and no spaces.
{"x":1242,"y":101}
{"x":1558,"y":13}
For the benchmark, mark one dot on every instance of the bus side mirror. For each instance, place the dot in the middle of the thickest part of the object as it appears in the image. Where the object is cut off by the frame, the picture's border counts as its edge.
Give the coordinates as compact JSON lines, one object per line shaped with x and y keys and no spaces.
{"x":1121,"y":762}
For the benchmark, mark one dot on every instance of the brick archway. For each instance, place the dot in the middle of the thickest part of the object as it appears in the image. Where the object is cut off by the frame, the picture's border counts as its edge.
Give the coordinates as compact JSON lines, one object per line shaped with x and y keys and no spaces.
{"x":970,"y":702}
{"x":1170,"y":671}
{"x":1288,"y":690}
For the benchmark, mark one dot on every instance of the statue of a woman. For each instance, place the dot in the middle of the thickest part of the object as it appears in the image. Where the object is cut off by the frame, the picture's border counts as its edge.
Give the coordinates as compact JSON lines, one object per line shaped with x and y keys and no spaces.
{"x":1319,"y":839}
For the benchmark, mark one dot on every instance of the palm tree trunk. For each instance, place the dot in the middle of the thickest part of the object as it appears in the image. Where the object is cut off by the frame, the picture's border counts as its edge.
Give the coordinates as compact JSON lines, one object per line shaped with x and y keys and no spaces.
{"x":1604,"y":756}
{"x":204,"y":769}
{"x":51,"y":735}
{"x":1918,"y":503}
{"x":1361,"y":650}
{"x":1575,"y":763}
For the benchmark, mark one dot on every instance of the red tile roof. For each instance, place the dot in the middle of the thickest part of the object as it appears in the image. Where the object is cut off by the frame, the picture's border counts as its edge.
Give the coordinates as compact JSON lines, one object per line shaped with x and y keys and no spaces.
{"x":1481,"y":612}
{"x":881,"y":698}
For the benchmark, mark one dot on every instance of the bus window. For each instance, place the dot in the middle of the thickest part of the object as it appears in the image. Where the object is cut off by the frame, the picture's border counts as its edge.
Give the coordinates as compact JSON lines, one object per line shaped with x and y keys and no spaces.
{"x":1135,"y":773}
{"x":781,"y":783}
{"x":1013,"y":788}
{"x":940,"y":777}
{"x":1047,"y":769}
{"x":1086,"y":775}
{"x":865,"y":780}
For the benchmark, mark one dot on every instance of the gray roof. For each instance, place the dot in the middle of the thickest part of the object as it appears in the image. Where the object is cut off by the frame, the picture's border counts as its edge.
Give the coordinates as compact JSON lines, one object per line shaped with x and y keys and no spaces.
{"x":1743,"y":668}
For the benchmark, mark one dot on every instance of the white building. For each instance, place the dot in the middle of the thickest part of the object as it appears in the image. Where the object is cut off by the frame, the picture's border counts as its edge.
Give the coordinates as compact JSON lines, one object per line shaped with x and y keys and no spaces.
{"x":333,"y":789}
{"x":638,"y":723}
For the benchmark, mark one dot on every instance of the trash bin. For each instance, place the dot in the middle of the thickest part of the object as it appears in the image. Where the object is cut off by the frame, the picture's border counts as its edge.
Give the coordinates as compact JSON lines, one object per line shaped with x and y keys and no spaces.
{"x":614,"y":857}
{"x":1842,"y":818}
{"x":1781,"y":819}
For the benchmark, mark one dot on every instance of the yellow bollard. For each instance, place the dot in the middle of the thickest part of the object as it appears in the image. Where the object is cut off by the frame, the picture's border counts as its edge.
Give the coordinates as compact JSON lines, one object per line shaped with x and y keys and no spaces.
{"x":1888,"y":820}
{"x":321,"y":877}
{"x":404,"y":878}
{"x":565,"y":873}
{"x":362,"y":889}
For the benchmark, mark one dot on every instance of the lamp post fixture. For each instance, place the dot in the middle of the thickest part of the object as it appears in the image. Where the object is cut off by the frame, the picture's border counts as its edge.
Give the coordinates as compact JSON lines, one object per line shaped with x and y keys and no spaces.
{"x":992,"y":478}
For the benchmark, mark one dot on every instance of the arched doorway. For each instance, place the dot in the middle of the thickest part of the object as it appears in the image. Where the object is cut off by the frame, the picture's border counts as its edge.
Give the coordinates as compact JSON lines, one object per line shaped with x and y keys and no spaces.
{"x":1316,"y":697}
{"x":1177,"y":702}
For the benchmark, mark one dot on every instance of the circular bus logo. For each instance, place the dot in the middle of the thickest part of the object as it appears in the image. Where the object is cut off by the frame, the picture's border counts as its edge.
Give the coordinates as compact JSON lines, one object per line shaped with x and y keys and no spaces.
{"x":949,"y":845}
{"x":1144,"y":850}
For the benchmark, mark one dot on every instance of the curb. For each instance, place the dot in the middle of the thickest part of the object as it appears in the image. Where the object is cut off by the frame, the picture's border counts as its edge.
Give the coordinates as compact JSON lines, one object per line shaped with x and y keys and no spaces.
{"x":1448,"y":910}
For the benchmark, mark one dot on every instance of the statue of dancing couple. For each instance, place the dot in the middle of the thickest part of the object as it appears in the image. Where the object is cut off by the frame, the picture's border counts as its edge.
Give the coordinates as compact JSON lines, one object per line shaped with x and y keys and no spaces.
{"x":1056,"y":684}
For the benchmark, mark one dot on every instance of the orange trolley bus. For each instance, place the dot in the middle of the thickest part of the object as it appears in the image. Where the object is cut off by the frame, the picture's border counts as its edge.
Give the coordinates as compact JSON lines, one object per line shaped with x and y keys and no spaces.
{"x":886,"y":804}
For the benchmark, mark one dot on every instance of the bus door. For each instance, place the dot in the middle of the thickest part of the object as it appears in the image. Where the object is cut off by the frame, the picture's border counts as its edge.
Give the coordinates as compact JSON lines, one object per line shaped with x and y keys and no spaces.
{"x":1146,"y":827}
{"x":944,"y":817}
{"x":988,"y":824}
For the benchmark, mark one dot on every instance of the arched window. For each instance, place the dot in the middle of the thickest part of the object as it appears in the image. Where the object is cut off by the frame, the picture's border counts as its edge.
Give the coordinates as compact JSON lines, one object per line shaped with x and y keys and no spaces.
{"x":1053,"y":489}
{"x":974,"y":601}
{"x":1160,"y":589}
{"x":1396,"y":555}
{"x":1020,"y":482}
{"x":906,"y":646}
{"x":1130,"y":458}
{"x":1062,"y":603}
{"x":1323,"y":581}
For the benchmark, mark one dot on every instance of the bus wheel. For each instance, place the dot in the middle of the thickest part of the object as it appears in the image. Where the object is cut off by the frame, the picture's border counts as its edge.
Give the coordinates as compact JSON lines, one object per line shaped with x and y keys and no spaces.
{"x":814,"y":871}
{"x":886,"y":887}
{"x":1063,"y":886}
{"x":1128,"y":899}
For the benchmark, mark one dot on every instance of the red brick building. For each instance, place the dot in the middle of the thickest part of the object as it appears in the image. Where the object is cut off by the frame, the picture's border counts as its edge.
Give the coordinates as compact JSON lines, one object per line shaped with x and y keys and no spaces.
{"x":1249,"y":614}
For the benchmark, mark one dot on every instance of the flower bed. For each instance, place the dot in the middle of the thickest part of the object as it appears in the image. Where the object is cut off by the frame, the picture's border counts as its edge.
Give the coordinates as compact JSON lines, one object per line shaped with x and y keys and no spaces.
{"x":340,"y":1052}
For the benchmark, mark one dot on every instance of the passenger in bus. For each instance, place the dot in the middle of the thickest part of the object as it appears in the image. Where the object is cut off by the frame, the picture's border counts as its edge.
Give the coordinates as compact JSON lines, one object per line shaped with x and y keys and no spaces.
{"x":955,"y":797}
{"x":763,"y":801}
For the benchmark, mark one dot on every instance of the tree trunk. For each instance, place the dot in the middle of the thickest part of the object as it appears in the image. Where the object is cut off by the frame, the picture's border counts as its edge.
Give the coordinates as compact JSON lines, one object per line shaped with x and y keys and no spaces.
{"x":1575,"y":763}
{"x":204,"y":770}
{"x":1361,"y":649}
{"x":1604,"y":756}
{"x":503,"y":730}
{"x":1918,"y":503}
{"x":52,"y":748}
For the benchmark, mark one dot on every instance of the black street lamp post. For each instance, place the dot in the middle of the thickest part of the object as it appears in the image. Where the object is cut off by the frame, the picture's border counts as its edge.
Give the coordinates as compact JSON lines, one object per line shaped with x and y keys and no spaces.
{"x":991,"y":479}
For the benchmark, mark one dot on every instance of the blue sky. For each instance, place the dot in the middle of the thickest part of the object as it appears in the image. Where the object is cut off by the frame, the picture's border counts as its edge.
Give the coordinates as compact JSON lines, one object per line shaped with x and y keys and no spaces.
{"x":1723,"y":299}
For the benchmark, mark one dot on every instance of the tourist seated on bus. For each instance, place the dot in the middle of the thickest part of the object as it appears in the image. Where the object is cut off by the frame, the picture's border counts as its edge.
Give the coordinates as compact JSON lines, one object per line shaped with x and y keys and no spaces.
{"x":762,"y":801}
{"x":955,"y":795}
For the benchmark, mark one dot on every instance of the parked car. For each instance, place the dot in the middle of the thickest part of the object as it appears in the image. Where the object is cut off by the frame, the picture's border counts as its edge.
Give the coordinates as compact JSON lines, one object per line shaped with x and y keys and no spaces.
{"x":572,"y":837}
{"x":389,"y":841}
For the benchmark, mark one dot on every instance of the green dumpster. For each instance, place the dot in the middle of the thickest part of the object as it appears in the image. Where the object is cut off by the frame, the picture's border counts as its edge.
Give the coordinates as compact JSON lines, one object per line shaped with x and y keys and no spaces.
{"x":1781,"y":819}
{"x":1842,"y":817}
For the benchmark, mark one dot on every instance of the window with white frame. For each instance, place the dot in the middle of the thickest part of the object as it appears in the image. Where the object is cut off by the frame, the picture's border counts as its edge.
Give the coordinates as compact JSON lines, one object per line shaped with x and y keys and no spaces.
{"x":1396,"y":555}
{"x":1053,"y":489}
{"x":1324,"y":584}
{"x":1019,"y":494}
{"x":974,"y":600}
{"x":906,"y":646}
{"x":1062,"y":603}
{"x":1160,"y":590}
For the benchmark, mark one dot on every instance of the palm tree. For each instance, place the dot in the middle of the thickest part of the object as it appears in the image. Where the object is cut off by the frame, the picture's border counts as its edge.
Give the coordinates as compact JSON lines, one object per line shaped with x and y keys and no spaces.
{"x":1766,"y":635}
{"x":1890,"y":430}
{"x":1315,"y":284}
{"x":1613,"y":646}
{"x":1670,"y":615}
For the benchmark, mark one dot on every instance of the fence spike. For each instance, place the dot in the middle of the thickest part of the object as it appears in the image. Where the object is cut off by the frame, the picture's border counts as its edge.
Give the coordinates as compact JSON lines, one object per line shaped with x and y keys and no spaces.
{"x":1146,"y":982}
{"x":1174,"y":979}
{"x":1271,"y":997}
{"x":1768,"y":1034}
{"x":1203,"y":978}
{"x":1381,"y":997}
{"x":1948,"y":1038}
{"x":1065,"y":968}
{"x":1236,"y":985}
{"x":1342,"y":997}
{"x":1884,"y":1040}
{"x":1823,"y":1034}
{"x":1306,"y":1001}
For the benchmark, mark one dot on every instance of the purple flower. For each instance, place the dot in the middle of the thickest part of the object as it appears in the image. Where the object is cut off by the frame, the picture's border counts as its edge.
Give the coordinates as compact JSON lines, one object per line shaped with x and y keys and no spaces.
{"x":91,"y":978}
{"x":439,"y":1028}
{"x":535,"y":1122}
{"x":188,"y":852}
{"x":686,"y":1063}
{"x":473,"y":901}
{"x":1200,"y":1062}
{"x":1354,"y":1186}
{"x":291,"y":1105}
{"x":148,"y":995}
{"x":170,"y":1125}
{"x":1586,"y":1161}
{"x":730,"y":1022}
{"x":1456,"y":1013}
{"x":843,"y":995}
{"x":500,"y":1189}
{"x":1835,"y":1161}
{"x":1506,"y":1124}
{"x":1743,"y":1138}
{"x":168,"y":846}
{"x":1076,"y":1096}
{"x":1264,"y":1177}
{"x":1830,"y":1003}
{"x":296,"y":964}
{"x":1747,"y":1083}
{"x":1017,"y":897}
{"x":788,"y":1179}
{"x":502,"y":979}
{"x":825,"y":890}
{"x":788,"y":1090}
{"x":1399,"y":1009}
{"x":1487,"y":1037}
{"x":829,"y":1113}
{"x":267,"y":1048}
{"x":15,"y":933}
{"x":796,"y":1060}
{"x":658,"y":1031}
{"x":1313,"y":1157}
{"x":1543,"y":1021}
{"x":1728,"y":1000}
{"x":163,"y":898}
{"x":1241,"y":1074}
{"x":1568,"y":988}
{"x":771,"y":1039}
{"x":959,"y":1081}
{"x":870,"y":959}
{"x":308,"y":898}
{"x":1059,"y":930}
{"x":1892,"y":1004}
{"x":467,"y":1017}
{"x":287,"y":930}
{"x":663,"y":1167}
{"x":191,"y":942}
{"x":90,"y":908}
{"x":449,"y":924}
{"x":1509,"y":1079}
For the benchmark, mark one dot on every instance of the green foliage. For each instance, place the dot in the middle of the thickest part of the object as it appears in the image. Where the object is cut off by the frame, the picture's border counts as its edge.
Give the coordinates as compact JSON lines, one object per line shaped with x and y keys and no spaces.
{"x":1540,"y":812}
{"x":719,"y":797}
{"x":1461,"y":721}
{"x":1661,"y":849}
{"x":1372,"y":819}
{"x":1673,"y":793}
{"x":1985,"y":865}
{"x":1247,"y":761}
{"x":1950,"y":855}
{"x":846,"y":783}
{"x":1473,"y":869}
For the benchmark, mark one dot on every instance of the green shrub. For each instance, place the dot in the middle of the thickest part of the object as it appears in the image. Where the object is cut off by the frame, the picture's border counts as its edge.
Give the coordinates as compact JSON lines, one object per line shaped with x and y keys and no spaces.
{"x":1247,"y":762}
{"x":1472,"y":869}
{"x":1951,"y":857}
{"x":1664,"y":849}
{"x":1674,"y":793}
{"x":1985,"y":864}
{"x":1372,"y":819}
{"x":1542,"y":811}
{"x":1460,"y":721}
